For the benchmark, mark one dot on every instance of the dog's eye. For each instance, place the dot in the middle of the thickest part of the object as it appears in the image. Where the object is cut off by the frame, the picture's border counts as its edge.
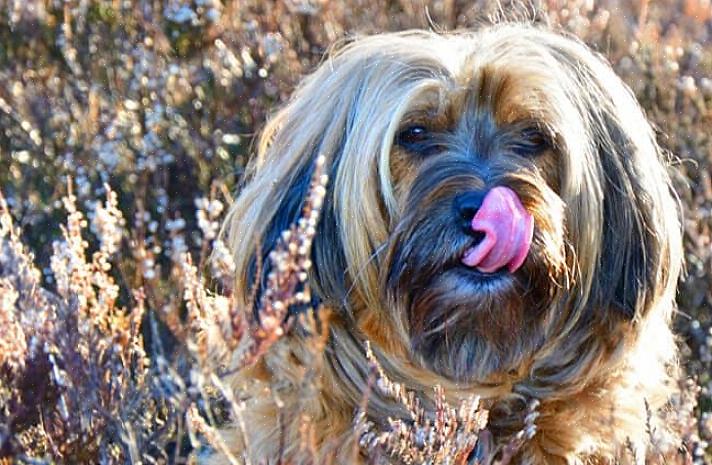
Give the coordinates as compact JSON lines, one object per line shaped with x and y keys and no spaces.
{"x":413,"y":135}
{"x":532,"y":141}
{"x":419,"y":140}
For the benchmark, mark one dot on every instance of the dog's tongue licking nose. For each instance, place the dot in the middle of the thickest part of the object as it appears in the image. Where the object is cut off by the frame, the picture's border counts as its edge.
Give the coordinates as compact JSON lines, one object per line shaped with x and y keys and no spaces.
{"x":508,"y":230}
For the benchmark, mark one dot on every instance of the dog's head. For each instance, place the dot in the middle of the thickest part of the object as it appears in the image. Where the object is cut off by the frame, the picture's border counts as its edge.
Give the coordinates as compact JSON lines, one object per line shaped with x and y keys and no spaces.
{"x":491,"y":195}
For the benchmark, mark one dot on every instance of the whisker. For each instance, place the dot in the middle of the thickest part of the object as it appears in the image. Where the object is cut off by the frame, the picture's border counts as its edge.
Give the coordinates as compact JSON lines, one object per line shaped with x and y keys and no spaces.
{"x":362,"y":270}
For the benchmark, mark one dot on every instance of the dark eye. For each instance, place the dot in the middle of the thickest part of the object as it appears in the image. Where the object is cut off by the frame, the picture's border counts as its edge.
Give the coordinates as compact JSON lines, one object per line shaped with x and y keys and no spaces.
{"x":531,"y":141}
{"x":413,"y":135}
{"x":419,"y":140}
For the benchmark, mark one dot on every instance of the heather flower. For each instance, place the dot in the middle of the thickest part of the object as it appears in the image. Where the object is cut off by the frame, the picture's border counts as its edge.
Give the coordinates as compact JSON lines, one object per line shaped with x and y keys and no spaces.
{"x":287,"y":284}
{"x":222,"y":263}
{"x":208,"y":211}
{"x":445,"y":436}
{"x":107,"y":223}
{"x":13,"y":347}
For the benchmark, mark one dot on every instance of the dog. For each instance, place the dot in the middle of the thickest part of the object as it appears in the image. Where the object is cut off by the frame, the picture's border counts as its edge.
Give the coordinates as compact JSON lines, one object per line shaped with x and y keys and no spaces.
{"x":499,"y":221}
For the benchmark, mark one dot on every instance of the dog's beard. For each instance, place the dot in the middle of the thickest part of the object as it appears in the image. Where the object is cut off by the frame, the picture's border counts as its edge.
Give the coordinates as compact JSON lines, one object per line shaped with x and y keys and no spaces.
{"x":465,"y":324}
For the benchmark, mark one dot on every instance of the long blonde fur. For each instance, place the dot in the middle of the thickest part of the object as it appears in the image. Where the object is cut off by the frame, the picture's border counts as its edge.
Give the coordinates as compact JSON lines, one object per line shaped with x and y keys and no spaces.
{"x":592,"y":380}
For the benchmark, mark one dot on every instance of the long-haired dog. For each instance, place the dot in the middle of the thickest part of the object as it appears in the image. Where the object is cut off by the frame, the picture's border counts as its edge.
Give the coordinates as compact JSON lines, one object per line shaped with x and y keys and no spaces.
{"x":499,"y":221}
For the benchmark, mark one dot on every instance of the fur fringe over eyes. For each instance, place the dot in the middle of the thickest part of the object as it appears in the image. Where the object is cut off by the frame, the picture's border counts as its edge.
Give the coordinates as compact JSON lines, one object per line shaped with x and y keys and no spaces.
{"x":583,"y":327}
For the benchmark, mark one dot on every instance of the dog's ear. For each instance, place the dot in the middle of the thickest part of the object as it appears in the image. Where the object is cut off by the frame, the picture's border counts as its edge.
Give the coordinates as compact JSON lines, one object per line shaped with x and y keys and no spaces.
{"x":271,"y":202}
{"x":633,"y":227}
{"x":277,"y":185}
{"x":325,"y":117}
{"x":635,"y":243}
{"x":328,"y":262}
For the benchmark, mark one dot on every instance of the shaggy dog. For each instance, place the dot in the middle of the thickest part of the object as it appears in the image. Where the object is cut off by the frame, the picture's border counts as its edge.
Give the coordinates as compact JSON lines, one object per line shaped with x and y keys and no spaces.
{"x":498,"y":221}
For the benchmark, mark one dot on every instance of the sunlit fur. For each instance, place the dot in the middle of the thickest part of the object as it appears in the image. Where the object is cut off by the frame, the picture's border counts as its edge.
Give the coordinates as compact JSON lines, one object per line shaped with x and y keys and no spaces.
{"x":584,"y":326}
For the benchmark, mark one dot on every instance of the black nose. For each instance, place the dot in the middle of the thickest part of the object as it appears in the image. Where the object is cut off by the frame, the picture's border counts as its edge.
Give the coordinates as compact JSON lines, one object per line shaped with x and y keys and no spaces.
{"x":466,"y":206}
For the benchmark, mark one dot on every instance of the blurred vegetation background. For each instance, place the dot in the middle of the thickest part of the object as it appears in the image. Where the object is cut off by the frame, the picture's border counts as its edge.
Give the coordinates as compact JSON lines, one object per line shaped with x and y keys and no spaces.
{"x":160,"y":100}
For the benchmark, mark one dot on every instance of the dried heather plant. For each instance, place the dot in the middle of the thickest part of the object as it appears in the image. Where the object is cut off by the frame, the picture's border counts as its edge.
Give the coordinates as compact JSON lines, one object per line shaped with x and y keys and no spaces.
{"x":679,"y":417}
{"x":287,"y":285}
{"x":31,"y":308}
{"x":515,"y":443}
{"x":205,"y":328}
{"x":27,"y":319}
{"x":212,"y":325}
{"x":447,"y":436}
{"x":13,"y":344}
{"x":79,"y":389}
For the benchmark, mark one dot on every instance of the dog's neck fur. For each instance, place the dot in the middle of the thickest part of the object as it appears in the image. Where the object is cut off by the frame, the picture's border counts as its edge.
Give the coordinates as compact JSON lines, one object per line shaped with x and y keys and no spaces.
{"x":608,"y":391}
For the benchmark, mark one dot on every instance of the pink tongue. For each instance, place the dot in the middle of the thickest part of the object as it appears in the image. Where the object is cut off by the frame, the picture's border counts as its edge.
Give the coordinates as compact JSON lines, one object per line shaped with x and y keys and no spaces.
{"x":508,"y":230}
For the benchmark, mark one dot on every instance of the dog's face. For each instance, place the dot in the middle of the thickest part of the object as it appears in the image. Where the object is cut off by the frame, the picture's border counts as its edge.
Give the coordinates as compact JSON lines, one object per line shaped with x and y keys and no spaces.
{"x":492,"y":197}
{"x":452,"y":154}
